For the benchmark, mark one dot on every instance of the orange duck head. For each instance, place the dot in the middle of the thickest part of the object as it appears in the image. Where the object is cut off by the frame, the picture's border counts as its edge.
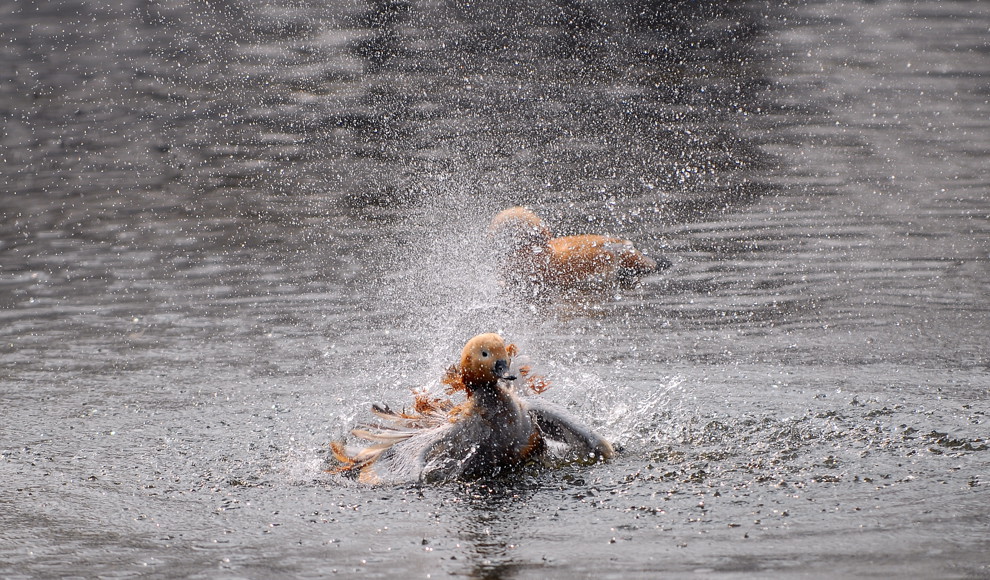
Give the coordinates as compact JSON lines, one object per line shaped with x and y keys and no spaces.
{"x":476,"y":368}
{"x":519,"y":228}
{"x":484,"y":361}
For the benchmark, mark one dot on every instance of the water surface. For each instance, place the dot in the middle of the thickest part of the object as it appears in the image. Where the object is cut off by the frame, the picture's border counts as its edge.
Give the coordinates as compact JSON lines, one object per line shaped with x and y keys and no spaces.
{"x":227,"y":229}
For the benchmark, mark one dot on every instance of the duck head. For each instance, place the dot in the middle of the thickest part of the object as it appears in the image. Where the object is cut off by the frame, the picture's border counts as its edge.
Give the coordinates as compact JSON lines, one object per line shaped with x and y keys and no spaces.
{"x":484,"y":361}
{"x":519,"y":229}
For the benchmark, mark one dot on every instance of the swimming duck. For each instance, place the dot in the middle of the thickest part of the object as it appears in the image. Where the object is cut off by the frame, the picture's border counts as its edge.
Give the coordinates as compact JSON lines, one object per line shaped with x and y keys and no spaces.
{"x":493,"y":431}
{"x":529,"y":249}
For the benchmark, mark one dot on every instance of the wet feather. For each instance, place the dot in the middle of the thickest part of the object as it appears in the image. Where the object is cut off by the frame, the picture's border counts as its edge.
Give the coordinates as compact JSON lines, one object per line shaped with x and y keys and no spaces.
{"x":492,"y":430}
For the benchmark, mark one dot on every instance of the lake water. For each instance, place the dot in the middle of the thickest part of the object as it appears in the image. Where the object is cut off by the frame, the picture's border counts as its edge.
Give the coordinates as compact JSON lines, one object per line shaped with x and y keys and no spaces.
{"x":226,"y":229}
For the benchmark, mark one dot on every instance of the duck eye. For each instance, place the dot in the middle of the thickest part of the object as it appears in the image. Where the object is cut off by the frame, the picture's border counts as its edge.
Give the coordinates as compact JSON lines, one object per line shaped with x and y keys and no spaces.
{"x":484,"y":354}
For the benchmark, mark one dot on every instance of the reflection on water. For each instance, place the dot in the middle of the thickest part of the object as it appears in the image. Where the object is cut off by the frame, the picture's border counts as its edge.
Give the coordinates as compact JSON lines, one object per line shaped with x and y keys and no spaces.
{"x":228,"y":228}
{"x":490,"y":522}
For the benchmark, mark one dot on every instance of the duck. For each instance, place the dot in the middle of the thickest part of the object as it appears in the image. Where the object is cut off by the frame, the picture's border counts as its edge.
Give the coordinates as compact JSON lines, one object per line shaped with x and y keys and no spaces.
{"x":495,"y":430}
{"x":539,"y":261}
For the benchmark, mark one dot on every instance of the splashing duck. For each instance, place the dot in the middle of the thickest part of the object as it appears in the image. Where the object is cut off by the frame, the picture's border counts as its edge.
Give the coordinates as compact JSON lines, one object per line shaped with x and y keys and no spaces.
{"x":493,"y":431}
{"x":543,"y":262}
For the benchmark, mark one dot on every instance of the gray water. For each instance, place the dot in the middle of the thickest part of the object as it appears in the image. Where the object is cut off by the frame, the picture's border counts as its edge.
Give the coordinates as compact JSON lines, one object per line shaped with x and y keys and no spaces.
{"x":227,"y":228}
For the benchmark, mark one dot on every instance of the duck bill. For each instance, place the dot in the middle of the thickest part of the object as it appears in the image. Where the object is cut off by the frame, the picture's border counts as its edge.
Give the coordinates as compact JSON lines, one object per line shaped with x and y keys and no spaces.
{"x":502,"y":370}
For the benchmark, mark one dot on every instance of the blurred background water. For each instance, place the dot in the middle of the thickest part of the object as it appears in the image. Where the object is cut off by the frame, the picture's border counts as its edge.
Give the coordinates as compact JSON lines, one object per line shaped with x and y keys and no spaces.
{"x":227,"y":228}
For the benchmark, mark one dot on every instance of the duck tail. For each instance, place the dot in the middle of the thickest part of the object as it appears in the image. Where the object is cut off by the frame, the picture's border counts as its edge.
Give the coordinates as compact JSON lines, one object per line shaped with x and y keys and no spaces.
{"x":637,"y":263}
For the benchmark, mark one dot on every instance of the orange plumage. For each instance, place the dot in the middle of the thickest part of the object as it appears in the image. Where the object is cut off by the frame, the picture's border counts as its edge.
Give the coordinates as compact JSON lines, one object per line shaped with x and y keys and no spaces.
{"x":533,"y":258}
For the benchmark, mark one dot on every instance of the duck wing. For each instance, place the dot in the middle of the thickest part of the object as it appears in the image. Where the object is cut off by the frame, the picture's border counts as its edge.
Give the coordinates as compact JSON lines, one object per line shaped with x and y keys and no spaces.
{"x":410,"y":430}
{"x":557,"y":425}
